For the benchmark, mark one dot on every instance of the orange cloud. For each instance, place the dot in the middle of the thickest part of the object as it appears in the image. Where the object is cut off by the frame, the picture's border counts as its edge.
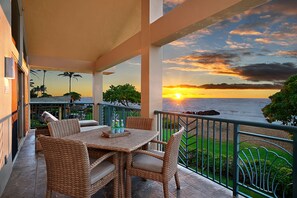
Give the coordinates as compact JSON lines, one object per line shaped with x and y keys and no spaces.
{"x":283,"y":7}
{"x":287,"y":53}
{"x":227,"y":86}
{"x":263,"y":40}
{"x":204,"y":31}
{"x":216,"y":66}
{"x":285,"y":36}
{"x":175,"y":2}
{"x":226,"y":63}
{"x":202,"y":51}
{"x":270,"y":41}
{"x":179,"y":43}
{"x":217,"y":93}
{"x":244,"y":32}
{"x":218,"y":63}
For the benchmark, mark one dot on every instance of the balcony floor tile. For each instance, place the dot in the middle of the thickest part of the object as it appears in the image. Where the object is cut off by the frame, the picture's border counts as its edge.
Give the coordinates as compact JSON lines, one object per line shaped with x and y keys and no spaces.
{"x":28,"y":179}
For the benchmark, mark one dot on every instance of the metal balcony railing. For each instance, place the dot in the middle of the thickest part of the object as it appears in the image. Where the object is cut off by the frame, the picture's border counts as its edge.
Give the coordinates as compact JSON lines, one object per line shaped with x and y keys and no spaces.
{"x":106,"y":112}
{"x":251,"y":159}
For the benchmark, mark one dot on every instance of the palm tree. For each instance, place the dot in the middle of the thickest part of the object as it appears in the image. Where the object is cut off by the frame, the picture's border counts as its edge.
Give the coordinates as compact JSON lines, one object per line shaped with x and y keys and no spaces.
{"x":34,"y":72}
{"x":42,"y":89}
{"x":43,"y":82}
{"x":32,"y":83}
{"x":35,"y":92}
{"x":70,"y":75}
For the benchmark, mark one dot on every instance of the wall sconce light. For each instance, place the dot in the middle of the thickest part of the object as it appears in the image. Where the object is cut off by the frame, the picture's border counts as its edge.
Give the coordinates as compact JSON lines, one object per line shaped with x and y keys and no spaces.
{"x":9,"y":72}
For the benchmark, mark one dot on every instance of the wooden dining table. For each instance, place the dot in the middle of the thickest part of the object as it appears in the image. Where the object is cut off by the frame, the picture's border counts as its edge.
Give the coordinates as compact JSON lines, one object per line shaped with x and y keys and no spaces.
{"x":123,"y":145}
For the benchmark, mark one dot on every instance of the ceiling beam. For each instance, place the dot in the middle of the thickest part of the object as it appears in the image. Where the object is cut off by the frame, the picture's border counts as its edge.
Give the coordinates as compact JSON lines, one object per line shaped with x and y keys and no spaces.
{"x":186,"y":18}
{"x":194,"y":15}
{"x":128,"y":49}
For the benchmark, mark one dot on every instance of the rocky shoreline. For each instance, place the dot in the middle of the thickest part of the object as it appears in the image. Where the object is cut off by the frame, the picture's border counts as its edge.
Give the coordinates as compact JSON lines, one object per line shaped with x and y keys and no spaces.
{"x":208,"y":112}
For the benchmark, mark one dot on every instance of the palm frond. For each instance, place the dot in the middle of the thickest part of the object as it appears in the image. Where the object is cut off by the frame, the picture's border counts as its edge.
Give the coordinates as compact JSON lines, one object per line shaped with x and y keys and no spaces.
{"x":34,"y":72}
{"x":77,"y":75}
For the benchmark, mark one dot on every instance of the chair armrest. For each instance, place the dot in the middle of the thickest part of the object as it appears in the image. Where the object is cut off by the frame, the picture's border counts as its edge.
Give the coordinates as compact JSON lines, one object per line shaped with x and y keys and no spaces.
{"x":101,"y":159}
{"x":149,"y":153}
{"x":159,"y":142}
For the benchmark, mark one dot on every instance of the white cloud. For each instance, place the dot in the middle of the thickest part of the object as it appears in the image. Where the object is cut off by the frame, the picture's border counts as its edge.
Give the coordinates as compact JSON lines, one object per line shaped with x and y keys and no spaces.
{"x":236,"y":45}
{"x":181,"y":43}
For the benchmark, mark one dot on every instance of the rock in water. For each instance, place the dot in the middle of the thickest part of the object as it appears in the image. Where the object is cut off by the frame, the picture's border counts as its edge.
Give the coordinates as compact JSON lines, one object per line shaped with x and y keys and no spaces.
{"x":209,"y":112}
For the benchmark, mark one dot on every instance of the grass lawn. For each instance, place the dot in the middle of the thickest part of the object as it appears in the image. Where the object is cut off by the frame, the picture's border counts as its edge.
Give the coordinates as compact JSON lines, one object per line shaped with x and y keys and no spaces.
{"x":214,"y":157}
{"x":215,"y":147}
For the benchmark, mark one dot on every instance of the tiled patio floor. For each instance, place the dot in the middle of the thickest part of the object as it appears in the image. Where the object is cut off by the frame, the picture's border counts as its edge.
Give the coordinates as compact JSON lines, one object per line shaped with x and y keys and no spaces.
{"x":28,"y":179}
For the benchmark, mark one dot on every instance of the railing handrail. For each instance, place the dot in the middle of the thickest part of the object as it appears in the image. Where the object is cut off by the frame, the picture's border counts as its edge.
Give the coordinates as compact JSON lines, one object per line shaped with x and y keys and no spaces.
{"x":35,"y":103}
{"x":292,"y":129}
{"x":118,"y":106}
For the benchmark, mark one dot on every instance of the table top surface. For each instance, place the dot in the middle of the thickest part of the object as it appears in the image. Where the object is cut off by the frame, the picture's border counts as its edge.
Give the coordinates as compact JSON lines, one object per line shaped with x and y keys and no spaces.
{"x":129,"y":143}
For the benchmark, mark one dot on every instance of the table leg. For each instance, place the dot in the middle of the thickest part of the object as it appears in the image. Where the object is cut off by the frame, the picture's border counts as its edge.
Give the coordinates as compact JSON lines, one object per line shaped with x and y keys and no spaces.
{"x":121,"y":175}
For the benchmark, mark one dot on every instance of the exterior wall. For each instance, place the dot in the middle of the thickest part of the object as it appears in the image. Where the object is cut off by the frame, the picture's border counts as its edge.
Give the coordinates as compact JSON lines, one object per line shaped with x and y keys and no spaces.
{"x":8,"y":49}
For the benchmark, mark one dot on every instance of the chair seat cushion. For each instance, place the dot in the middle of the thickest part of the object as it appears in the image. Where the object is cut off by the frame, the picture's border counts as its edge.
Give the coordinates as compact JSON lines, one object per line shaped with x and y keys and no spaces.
{"x":149,"y":163}
{"x":85,"y":123}
{"x":101,"y":170}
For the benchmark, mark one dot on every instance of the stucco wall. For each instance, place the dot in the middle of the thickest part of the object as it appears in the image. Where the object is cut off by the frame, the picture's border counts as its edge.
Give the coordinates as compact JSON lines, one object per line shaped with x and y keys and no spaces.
{"x":7,"y":49}
{"x":5,"y":96}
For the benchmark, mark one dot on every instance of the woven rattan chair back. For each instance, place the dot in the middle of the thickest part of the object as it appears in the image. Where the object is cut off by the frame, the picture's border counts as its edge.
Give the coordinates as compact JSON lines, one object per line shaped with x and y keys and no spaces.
{"x":64,"y":128}
{"x":67,"y":165}
{"x":139,"y":123}
{"x":69,"y":170}
{"x":171,"y":153}
{"x":169,"y":168}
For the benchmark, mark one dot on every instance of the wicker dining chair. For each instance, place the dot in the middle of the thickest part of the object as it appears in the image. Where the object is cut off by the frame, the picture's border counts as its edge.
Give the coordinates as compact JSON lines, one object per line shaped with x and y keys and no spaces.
{"x":139,"y":123}
{"x":70,"y":171}
{"x":156,"y":165}
{"x":68,"y":127}
{"x":64,"y":128}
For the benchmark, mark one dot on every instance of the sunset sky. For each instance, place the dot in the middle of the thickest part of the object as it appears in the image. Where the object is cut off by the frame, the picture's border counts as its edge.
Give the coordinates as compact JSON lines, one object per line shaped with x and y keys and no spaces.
{"x":246,"y":56}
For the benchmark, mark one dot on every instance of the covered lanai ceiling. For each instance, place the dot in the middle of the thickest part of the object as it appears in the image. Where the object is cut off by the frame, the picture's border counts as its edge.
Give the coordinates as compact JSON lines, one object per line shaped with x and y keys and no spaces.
{"x":93,"y":35}
{"x":70,"y":35}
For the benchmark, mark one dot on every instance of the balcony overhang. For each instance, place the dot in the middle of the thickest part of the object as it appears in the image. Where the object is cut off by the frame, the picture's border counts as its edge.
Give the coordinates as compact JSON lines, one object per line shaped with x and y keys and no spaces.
{"x":95,"y":35}
{"x":71,"y":35}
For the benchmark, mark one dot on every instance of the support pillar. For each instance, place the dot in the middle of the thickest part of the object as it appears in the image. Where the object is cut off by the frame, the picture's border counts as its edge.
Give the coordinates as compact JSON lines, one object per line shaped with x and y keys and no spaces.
{"x":97,"y":93}
{"x":151,"y":60}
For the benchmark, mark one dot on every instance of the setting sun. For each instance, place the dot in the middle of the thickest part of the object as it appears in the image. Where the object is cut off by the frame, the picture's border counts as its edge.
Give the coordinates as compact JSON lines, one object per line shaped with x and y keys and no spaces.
{"x":178,"y":96}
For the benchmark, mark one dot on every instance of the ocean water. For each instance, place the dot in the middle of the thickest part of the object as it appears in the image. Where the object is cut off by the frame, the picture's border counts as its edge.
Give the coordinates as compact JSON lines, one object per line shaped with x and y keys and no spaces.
{"x":231,"y":108}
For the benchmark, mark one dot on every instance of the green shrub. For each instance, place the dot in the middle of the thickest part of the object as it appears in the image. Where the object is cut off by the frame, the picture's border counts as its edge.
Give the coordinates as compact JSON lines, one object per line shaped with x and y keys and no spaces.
{"x":279,"y":175}
{"x":36,"y":123}
{"x":168,"y":123}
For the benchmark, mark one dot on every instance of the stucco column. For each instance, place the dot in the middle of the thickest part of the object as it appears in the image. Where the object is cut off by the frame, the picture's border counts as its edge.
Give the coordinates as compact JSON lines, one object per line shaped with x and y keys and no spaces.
{"x":97,"y":93}
{"x":151,"y":60}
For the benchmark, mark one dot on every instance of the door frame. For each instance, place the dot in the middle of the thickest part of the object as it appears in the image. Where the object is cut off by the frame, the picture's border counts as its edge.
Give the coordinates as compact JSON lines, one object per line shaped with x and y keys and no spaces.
{"x":20,"y":108}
